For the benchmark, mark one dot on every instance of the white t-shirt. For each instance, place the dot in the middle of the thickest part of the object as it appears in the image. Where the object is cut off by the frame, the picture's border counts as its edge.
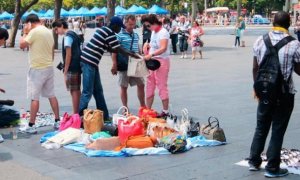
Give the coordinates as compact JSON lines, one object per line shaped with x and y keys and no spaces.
{"x":155,"y":42}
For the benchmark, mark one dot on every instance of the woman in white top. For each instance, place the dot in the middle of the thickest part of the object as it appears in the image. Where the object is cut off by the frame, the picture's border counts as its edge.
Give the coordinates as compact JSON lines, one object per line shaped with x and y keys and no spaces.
{"x":159,"y":49}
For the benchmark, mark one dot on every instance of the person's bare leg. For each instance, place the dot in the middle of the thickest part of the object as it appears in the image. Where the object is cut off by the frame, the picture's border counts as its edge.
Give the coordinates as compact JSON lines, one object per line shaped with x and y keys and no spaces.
{"x":34,"y":108}
{"x":165,"y":104}
{"x":200,"y":54}
{"x":75,"y":100}
{"x":193,"y":55}
{"x":124,"y":97}
{"x":150,"y":101}
{"x":54,"y":105}
{"x":141,"y":94}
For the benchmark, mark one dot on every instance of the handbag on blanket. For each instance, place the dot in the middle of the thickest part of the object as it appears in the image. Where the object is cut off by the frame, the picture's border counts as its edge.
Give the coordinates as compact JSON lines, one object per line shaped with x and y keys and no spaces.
{"x":212,"y":130}
{"x":120,"y":116}
{"x":70,"y":121}
{"x":139,"y":142}
{"x":174,"y":143}
{"x":105,"y":144}
{"x":137,"y":68}
{"x":92,"y":121}
{"x":132,"y":127}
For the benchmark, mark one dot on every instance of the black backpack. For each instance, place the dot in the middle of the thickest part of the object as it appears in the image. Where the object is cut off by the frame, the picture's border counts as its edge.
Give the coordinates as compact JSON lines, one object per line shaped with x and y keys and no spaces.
{"x":270,"y":84}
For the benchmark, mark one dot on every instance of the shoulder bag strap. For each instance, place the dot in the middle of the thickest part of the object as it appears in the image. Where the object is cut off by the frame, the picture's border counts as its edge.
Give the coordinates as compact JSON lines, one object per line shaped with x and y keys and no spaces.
{"x":132,"y":41}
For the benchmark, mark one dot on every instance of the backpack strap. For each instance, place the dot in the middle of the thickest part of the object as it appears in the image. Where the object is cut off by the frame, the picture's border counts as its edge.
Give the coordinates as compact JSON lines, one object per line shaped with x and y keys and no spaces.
{"x":267,"y":41}
{"x":284,"y":42}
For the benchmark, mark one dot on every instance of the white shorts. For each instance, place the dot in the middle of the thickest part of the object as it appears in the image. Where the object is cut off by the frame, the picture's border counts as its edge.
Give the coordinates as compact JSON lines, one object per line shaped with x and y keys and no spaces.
{"x":40,"y":82}
{"x":125,"y":80}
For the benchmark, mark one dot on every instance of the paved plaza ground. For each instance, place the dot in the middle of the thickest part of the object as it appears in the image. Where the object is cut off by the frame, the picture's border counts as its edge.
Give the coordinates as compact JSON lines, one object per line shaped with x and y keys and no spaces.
{"x":218,"y":85}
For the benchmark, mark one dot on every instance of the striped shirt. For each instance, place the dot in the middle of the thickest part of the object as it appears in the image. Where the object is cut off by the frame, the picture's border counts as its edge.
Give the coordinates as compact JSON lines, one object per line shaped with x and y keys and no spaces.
{"x":125,"y":38}
{"x":288,"y":54}
{"x":101,"y":40}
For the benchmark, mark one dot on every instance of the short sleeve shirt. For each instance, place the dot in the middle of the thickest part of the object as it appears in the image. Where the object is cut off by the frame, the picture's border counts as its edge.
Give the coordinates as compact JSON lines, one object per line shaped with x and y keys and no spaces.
{"x":101,"y":40}
{"x":155,"y":42}
{"x":41,"y":44}
{"x":288,"y":55}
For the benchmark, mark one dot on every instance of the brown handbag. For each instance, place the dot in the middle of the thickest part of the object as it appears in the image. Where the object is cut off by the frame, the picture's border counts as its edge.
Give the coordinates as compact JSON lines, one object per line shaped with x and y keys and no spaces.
{"x":212,"y":130}
{"x":92,"y":121}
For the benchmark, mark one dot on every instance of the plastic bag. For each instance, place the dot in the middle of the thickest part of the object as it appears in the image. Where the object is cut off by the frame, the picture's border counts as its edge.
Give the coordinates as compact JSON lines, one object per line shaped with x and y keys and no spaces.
{"x":70,"y":121}
{"x":130,"y":128}
{"x":174,"y":143}
{"x":99,"y":135}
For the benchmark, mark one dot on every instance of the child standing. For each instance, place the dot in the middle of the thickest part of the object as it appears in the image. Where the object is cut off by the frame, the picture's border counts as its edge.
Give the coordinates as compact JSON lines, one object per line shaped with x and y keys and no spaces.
{"x":237,"y":35}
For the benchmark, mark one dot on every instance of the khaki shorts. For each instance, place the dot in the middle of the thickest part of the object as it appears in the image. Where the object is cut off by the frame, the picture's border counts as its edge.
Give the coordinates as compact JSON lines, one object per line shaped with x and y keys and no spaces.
{"x":124,"y":80}
{"x":40,"y":82}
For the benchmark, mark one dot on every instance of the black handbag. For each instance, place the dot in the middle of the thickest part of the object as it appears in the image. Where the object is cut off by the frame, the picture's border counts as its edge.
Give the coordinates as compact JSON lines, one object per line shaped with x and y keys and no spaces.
{"x":212,"y":130}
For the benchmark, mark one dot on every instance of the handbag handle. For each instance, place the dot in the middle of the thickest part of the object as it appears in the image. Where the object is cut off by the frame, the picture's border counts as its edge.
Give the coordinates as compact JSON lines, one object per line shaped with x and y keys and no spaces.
{"x":89,"y":112}
{"x":123,"y":107}
{"x":214,"y":121}
{"x":185,"y":114}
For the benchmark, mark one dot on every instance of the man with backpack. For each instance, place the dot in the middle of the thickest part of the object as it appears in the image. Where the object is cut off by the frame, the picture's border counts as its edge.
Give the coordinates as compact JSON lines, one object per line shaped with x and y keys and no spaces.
{"x":276,"y":56}
{"x":71,"y":56}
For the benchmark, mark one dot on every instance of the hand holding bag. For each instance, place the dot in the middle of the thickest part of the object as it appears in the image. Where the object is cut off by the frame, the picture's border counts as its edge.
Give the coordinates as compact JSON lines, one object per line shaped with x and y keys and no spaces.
{"x":137,"y":68}
{"x":70,"y":121}
{"x":212,"y":130}
{"x":92,"y":121}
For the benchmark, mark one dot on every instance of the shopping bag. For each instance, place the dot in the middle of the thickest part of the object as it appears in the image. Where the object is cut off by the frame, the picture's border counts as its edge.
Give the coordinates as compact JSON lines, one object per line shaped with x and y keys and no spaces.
{"x":70,"y":121}
{"x":212,"y":130}
{"x":92,"y":121}
{"x":137,"y":68}
{"x":146,"y":113}
{"x":130,"y":128}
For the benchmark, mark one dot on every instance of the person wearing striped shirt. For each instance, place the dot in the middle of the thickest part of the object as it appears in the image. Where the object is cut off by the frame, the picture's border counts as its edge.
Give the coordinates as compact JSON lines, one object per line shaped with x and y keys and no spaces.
{"x":130,"y":41}
{"x":104,"y":39}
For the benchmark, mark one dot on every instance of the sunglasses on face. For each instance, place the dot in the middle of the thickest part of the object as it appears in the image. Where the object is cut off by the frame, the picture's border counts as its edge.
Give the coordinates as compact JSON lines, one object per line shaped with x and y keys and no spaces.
{"x":147,"y":25}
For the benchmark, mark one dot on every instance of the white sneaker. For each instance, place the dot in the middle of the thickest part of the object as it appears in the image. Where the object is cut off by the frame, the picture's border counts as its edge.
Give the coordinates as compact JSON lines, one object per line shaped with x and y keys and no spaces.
{"x":56,"y":125}
{"x":185,"y":56}
{"x":181,"y":57}
{"x":1,"y":139}
{"x":28,"y":129}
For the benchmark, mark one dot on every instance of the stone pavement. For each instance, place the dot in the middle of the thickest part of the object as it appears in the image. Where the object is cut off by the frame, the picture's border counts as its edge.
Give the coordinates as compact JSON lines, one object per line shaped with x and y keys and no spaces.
{"x":219,"y":85}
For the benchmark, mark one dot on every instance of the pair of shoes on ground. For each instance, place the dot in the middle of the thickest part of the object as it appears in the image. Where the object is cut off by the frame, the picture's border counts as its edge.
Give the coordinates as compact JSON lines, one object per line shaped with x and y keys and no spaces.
{"x":270,"y":174}
{"x":183,"y":56}
{"x":33,"y":130}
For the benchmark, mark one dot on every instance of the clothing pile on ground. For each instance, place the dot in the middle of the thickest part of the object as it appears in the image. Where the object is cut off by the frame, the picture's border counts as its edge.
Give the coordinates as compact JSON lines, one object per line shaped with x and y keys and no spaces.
{"x":290,"y":159}
{"x":129,"y":135}
{"x":42,"y":119}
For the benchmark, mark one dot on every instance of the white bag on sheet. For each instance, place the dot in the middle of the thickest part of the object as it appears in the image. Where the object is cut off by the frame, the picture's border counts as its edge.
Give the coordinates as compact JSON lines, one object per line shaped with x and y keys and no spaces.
{"x":137,"y":68}
{"x":65,"y":137}
{"x":120,"y":116}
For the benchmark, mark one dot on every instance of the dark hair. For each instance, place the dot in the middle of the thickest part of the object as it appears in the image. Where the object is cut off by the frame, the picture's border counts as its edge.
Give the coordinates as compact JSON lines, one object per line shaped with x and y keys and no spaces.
{"x":32,"y":18}
{"x":166,"y":21}
{"x":3,"y":34}
{"x":174,"y":16}
{"x":144,"y":18}
{"x":132,"y":17}
{"x":152,"y":19}
{"x":197,"y":23}
{"x":60,"y":23}
{"x":282,"y":19}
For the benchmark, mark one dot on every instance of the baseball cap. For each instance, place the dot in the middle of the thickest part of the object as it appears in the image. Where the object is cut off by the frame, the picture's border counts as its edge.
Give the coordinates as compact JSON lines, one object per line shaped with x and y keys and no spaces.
{"x":117,"y":21}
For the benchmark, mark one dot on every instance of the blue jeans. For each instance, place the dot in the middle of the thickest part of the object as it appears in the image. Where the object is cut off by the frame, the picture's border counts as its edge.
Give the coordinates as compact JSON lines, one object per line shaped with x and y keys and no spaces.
{"x":92,"y":86}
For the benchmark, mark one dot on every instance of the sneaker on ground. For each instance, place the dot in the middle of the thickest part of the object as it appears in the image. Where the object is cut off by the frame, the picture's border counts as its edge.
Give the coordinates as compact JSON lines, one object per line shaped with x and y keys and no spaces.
{"x":28,"y":129}
{"x":253,"y":167}
{"x":181,"y":57}
{"x":275,"y":174}
{"x":1,"y":139}
{"x":185,"y":56}
{"x":56,"y":125}
{"x":163,"y":115}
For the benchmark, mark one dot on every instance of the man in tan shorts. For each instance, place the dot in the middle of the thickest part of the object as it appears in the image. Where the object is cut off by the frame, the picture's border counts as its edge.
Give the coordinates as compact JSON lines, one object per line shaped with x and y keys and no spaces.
{"x":129,"y":40}
{"x":40,"y":77}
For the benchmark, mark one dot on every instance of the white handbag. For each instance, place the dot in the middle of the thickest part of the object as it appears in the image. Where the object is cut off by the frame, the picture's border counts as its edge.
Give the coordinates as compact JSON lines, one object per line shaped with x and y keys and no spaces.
{"x":119,"y":116}
{"x":137,"y":68}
